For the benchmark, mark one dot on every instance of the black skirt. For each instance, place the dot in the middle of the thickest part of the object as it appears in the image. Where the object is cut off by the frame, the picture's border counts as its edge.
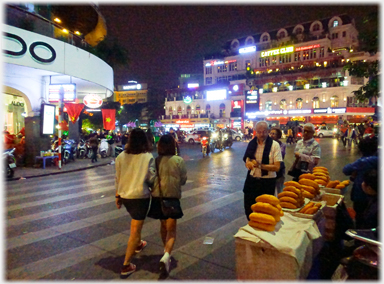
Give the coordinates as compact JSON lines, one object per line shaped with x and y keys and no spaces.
{"x":155,"y":210}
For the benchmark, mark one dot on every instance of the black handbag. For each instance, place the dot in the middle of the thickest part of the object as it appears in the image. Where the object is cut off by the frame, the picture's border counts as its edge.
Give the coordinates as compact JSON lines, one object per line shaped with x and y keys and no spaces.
{"x":170,"y":207}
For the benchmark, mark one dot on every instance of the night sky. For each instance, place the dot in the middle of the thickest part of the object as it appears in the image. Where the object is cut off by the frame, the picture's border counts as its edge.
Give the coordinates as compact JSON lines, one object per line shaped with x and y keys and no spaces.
{"x":167,"y":40}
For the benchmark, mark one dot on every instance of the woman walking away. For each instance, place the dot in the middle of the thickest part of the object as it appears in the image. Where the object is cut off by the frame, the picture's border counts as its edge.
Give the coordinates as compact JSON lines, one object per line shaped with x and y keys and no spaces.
{"x":135,"y":173}
{"x":171,"y":175}
{"x":276,"y":134}
{"x":94,"y":143}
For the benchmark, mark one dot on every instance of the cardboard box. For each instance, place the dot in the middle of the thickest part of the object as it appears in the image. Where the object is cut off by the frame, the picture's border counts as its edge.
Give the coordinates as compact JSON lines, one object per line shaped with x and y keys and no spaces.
{"x":330,"y":214}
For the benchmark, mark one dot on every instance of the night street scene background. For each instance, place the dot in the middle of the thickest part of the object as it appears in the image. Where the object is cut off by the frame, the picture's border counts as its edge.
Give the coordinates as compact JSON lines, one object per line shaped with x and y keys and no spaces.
{"x":81,"y":79}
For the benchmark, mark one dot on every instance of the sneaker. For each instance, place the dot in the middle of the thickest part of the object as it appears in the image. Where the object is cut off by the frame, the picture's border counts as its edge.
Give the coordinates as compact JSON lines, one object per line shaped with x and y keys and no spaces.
{"x":141,"y":246}
{"x":128,"y":269}
{"x":165,"y":263}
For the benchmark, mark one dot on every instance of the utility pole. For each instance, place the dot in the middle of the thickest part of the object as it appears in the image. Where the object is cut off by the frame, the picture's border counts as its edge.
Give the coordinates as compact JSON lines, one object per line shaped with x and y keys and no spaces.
{"x":61,"y":98}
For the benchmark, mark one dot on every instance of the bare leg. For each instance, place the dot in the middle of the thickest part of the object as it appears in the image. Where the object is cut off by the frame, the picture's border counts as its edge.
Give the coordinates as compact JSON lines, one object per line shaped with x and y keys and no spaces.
{"x":171,"y":235}
{"x":134,"y":239}
{"x":163,"y":231}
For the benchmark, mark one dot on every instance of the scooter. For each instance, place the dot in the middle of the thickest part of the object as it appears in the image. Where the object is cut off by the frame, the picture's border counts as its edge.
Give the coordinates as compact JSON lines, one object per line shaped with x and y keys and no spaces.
{"x":10,"y":162}
{"x":364,"y":264}
{"x":66,"y":150}
{"x":118,"y":150}
{"x":81,"y":149}
{"x":104,"y":148}
{"x":204,"y":146}
{"x":227,"y":142}
{"x":89,"y":151}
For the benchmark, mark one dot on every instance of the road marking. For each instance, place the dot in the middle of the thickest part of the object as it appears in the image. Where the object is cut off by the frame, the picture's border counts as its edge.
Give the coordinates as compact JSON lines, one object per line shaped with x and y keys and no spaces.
{"x":64,"y":260}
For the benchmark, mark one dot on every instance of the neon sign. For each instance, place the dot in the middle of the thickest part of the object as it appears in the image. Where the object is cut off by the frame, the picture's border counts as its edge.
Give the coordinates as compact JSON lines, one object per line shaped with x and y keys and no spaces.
{"x":282,"y":50}
{"x":182,"y":121}
{"x":93,"y":101}
{"x":187,"y":100}
{"x":216,"y":62}
{"x":330,"y":110}
{"x":216,"y":95}
{"x":247,"y":49}
{"x":193,"y":85}
{"x":132,"y":87}
{"x":307,"y":47}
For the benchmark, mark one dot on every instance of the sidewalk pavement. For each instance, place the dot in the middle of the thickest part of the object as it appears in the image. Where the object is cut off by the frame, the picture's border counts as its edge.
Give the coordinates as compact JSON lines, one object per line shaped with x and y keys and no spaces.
{"x":71,"y":166}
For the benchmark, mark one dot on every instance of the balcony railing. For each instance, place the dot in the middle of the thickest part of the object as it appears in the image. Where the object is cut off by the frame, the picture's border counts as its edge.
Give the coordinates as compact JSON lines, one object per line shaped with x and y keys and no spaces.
{"x":23,"y":19}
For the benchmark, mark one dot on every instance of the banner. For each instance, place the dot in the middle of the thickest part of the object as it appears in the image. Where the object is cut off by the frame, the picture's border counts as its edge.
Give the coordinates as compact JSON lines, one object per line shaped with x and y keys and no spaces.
{"x":73,"y":111}
{"x":108,"y":118}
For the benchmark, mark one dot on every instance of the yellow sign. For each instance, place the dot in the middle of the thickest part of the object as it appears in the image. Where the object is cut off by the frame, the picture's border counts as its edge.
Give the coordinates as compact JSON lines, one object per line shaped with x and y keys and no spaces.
{"x":282,"y":50}
{"x":298,"y":119}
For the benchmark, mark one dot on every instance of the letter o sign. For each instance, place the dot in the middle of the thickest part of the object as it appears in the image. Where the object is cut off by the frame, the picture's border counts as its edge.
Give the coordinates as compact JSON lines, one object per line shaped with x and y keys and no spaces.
{"x":38,"y":58}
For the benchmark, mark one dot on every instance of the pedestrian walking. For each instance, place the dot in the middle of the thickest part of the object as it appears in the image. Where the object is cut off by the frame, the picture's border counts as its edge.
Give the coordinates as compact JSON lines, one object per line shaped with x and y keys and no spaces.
{"x":151,"y":139}
{"x":171,"y":175}
{"x":94,"y":143}
{"x":350,"y":136}
{"x":262,"y":159}
{"x":276,"y":134}
{"x":369,"y":160}
{"x":290,"y":136}
{"x":307,"y":153}
{"x":174,"y":135}
{"x":135,"y":174}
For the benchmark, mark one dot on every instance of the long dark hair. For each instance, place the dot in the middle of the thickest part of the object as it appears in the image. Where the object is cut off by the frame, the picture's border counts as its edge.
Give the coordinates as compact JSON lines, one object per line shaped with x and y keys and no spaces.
{"x":137,"y":142}
{"x":166,"y":145}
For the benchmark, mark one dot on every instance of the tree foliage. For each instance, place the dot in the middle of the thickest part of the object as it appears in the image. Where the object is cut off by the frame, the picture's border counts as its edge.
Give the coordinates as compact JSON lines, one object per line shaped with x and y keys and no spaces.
{"x":368,"y":42}
{"x":155,"y":104}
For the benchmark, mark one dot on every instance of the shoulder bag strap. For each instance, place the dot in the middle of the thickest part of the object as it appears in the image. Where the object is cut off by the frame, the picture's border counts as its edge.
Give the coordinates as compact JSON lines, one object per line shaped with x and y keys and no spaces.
{"x":157,"y":162}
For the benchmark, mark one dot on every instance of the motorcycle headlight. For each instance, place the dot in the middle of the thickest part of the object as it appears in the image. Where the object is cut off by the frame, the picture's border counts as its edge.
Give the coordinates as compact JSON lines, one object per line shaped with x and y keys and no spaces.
{"x":214,"y":135}
{"x":225,"y":135}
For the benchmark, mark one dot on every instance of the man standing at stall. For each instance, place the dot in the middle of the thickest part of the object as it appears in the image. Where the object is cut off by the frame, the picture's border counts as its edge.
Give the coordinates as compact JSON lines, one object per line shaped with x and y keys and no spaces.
{"x":262,"y":159}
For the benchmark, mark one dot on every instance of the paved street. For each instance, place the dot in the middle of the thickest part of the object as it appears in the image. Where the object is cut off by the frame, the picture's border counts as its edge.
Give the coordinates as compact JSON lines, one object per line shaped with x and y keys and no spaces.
{"x":66,"y":226}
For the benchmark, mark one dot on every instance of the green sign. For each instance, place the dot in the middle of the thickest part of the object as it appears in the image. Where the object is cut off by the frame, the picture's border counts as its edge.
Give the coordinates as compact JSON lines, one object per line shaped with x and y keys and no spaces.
{"x":187,"y":100}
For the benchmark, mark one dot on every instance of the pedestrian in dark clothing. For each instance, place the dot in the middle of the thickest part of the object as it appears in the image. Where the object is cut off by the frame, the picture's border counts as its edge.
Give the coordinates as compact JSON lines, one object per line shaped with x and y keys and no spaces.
{"x":151,"y":140}
{"x":369,"y":160}
{"x":124,"y":140}
{"x":174,"y":135}
{"x":371,"y":213}
{"x":95,"y":145}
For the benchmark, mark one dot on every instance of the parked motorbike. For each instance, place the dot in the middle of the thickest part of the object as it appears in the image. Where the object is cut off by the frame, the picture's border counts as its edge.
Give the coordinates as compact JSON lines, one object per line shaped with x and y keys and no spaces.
{"x":104,"y":148}
{"x":81,"y":149}
{"x":364,"y":264}
{"x":89,"y":151}
{"x":10,"y":162}
{"x":118,"y":150}
{"x":67,"y":150}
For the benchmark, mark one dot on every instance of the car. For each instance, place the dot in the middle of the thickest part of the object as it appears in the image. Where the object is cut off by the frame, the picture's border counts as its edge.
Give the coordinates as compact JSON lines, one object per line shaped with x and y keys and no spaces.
{"x":195,"y":136}
{"x":324,"y":131}
{"x":237,"y":136}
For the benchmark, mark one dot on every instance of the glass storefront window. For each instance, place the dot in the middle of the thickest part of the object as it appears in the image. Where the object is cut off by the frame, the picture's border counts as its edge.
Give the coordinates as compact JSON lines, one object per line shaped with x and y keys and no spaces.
{"x":15,"y":109}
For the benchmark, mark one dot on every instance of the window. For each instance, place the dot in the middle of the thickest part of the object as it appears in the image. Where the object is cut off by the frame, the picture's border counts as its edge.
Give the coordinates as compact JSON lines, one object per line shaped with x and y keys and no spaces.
{"x":249,"y":41}
{"x":208,"y":80}
{"x":265,"y":38}
{"x":344,"y":34}
{"x":247,"y":63}
{"x":334,"y":101}
{"x":131,"y":100}
{"x":297,"y":56}
{"x":282,"y":34}
{"x":314,"y":52}
{"x":316,"y":27}
{"x":335,"y":23}
{"x":268,"y":105}
{"x":233,"y":66}
{"x":208,"y":70}
{"x":179,"y":110}
{"x":170,"y":110}
{"x":321,"y":51}
{"x":305,"y":55}
{"x":261,"y":62}
{"x":299,"y":103}
{"x":315,"y":102}
{"x":299,"y":30}
{"x":207,"y":108}
{"x":222,"y":110}
{"x":188,"y":109}
{"x":274,"y":60}
{"x":335,"y":35}
{"x":235,"y":45}
{"x":141,"y":100}
{"x":283,"y":104}
{"x":285,"y":58}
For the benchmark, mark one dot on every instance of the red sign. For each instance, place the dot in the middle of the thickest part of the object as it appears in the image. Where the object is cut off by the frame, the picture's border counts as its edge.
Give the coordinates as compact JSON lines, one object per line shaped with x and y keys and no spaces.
{"x":182,"y":121}
{"x":361,"y":109}
{"x":108,"y":118}
{"x":307,"y":47}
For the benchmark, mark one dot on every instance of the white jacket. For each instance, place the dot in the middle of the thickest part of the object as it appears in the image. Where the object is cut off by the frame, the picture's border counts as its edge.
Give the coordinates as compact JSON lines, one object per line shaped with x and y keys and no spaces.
{"x":134,"y":175}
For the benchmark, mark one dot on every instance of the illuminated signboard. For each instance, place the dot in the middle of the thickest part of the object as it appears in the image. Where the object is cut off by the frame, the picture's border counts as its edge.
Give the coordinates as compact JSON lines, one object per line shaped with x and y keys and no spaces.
{"x":132,"y":87}
{"x":330,"y":110}
{"x":193,"y":85}
{"x":237,"y":104}
{"x":187,"y":100}
{"x":278,"y":112}
{"x":186,"y":121}
{"x":252,"y":102}
{"x":47,"y":122}
{"x":247,"y":49}
{"x":252,"y":97}
{"x":306,"y":47}
{"x":93,"y":101}
{"x":217,"y":95}
{"x":216,"y":62}
{"x":282,"y":50}
{"x":69,"y":92}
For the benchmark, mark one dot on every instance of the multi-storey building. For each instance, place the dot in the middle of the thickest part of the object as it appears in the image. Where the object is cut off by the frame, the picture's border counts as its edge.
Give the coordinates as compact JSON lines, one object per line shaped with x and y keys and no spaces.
{"x":292,"y":73}
{"x":43,"y":56}
{"x":131,"y":93}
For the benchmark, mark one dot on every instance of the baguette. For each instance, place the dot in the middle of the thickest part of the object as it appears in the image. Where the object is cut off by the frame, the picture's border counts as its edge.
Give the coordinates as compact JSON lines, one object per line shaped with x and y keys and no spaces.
{"x":288,"y":194}
{"x":267,"y":198}
{"x":262,"y":226}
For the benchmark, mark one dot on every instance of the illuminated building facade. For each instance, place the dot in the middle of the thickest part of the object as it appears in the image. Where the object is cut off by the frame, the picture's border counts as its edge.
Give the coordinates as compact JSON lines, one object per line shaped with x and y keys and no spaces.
{"x":131,"y":93}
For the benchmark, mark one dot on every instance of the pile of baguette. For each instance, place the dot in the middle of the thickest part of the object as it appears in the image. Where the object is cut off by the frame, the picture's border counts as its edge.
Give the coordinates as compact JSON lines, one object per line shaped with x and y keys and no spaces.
{"x":311,"y":208}
{"x":266,"y":213}
{"x":292,"y":196}
{"x":309,"y":185}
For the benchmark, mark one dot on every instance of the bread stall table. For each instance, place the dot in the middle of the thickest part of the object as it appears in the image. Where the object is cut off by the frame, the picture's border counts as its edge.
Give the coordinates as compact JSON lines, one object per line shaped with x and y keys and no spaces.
{"x":283,"y":254}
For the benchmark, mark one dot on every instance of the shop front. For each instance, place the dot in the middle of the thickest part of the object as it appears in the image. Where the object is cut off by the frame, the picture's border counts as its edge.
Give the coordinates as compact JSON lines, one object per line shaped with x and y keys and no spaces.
{"x":185,"y":124}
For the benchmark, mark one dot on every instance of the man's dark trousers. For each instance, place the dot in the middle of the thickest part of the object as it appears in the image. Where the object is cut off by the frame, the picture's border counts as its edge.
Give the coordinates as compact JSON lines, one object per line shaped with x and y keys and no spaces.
{"x":254,"y":188}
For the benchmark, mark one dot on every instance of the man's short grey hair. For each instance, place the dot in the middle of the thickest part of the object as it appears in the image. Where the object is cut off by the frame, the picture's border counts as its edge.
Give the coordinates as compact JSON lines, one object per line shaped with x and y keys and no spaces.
{"x":262,"y":123}
{"x":310,"y":125}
